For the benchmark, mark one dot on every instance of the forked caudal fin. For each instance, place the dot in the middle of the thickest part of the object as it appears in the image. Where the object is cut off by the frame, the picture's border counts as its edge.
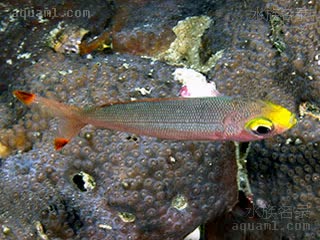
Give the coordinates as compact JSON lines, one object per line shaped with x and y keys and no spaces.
{"x":70,"y":117}
{"x":25,"y":97}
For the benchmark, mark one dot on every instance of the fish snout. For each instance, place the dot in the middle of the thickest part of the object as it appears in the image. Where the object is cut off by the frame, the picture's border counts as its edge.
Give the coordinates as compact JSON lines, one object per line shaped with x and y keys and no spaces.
{"x":293,"y":120}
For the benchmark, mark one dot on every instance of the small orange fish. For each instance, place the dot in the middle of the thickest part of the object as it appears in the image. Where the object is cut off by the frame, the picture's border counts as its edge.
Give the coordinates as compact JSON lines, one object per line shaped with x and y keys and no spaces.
{"x":204,"y":118}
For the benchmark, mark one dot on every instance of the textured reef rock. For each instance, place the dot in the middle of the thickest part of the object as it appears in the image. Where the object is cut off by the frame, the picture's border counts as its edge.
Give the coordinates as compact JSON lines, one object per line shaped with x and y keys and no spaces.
{"x":185,"y":49}
{"x":114,"y":185}
{"x":106,"y":184}
{"x":273,"y":51}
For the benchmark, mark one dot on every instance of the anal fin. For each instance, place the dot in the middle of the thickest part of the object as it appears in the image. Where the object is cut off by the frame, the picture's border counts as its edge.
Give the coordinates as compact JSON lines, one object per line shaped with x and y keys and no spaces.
{"x":67,"y":129}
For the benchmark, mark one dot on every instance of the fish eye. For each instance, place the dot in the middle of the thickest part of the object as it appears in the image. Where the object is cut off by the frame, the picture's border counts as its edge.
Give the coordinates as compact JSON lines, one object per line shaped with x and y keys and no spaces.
{"x":260,"y":126}
{"x":262,"y":130}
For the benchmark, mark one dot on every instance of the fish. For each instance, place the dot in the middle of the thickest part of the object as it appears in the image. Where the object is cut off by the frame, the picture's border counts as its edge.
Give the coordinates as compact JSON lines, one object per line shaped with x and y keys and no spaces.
{"x":221,"y":118}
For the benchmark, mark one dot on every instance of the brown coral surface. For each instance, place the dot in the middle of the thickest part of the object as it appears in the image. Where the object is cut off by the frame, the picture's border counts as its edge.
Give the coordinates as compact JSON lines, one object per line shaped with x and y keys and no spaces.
{"x":106,"y":184}
{"x":273,"y":50}
{"x":115,"y":185}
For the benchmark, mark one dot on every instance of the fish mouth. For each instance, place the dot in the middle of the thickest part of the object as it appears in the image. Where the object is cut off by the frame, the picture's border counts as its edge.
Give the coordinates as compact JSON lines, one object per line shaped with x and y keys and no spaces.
{"x":293,"y":120}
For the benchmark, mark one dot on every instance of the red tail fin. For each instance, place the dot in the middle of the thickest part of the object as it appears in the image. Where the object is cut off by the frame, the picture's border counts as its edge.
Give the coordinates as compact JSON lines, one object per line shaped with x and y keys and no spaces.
{"x":59,"y":143}
{"x":25,"y":97}
{"x":71,"y":120}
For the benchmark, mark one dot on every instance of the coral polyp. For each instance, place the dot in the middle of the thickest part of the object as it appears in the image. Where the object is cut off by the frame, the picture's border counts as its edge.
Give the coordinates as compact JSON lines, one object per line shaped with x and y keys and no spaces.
{"x":116,"y":185}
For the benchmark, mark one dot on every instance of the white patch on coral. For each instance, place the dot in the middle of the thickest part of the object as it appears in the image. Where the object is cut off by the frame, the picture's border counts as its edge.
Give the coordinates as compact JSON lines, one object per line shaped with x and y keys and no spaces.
{"x":24,"y":55}
{"x":194,"y":84}
{"x":63,"y":72}
{"x":143,"y":91}
{"x":105,"y":226}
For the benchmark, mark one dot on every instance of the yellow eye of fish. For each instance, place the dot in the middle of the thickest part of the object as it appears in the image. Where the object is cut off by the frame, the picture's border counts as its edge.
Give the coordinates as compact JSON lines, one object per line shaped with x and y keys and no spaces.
{"x":260,"y":126}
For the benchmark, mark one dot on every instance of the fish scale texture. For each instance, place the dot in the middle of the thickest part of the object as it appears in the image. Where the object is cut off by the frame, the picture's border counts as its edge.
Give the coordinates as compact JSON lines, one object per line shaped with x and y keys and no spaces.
{"x":213,"y":109}
{"x":177,"y":118}
{"x":137,"y":179}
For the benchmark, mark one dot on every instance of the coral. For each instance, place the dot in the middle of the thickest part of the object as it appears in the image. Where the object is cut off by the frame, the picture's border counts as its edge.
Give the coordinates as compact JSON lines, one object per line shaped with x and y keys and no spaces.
{"x":13,"y":139}
{"x":157,"y":30}
{"x":99,"y":43}
{"x":4,"y":150}
{"x":106,"y":184}
{"x":296,"y":178}
{"x":24,"y":28}
{"x":194,"y":84}
{"x":65,"y":39}
{"x":112,"y":185}
{"x":147,"y":35}
{"x":71,"y":39}
{"x":276,"y":61}
{"x":184,"y":50}
{"x":308,"y":109}
{"x":29,"y":196}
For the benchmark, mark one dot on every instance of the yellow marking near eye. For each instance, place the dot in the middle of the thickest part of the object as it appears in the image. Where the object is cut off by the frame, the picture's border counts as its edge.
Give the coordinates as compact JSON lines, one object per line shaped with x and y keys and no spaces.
{"x":280,"y":116}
